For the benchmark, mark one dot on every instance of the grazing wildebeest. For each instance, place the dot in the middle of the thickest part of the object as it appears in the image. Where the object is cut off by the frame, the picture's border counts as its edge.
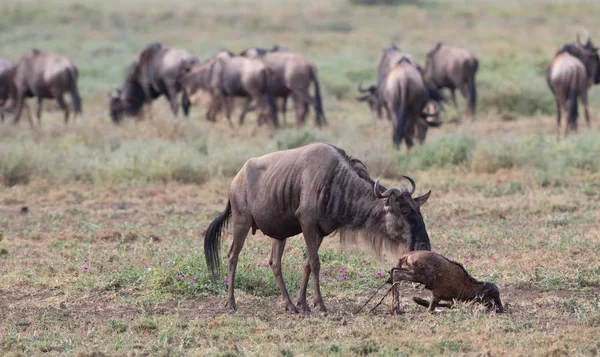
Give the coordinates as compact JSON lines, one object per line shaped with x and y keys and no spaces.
{"x":45,"y":75}
{"x":574,"y":69}
{"x":453,"y":68}
{"x":7,"y":71}
{"x":405,"y":97}
{"x":155,"y":72}
{"x":233,"y":76}
{"x":291,"y":74}
{"x":315,"y":190}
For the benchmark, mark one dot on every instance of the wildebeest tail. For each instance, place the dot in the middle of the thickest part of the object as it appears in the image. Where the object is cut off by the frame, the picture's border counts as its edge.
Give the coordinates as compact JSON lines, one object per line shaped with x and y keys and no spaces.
{"x":573,"y":113}
{"x":212,"y":242}
{"x":401,"y":114}
{"x":318,"y":101}
{"x":471,"y":88}
{"x":270,"y":99}
{"x":73,"y":75}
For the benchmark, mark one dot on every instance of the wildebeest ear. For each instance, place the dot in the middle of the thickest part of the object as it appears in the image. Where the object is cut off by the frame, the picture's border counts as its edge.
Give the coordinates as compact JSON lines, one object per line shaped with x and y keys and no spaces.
{"x":422,"y":199}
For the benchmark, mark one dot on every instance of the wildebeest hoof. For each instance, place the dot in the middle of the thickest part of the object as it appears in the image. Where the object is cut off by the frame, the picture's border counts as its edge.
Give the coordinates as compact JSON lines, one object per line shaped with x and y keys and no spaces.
{"x":304,"y":309}
{"x":291,"y":308}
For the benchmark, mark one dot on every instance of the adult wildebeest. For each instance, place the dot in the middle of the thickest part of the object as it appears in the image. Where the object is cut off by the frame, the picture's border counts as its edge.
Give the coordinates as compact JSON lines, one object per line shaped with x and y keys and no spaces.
{"x":237,"y":76}
{"x":45,"y":75}
{"x":405,"y":97}
{"x":314,"y":190}
{"x":453,"y":68}
{"x":574,"y":69}
{"x":7,"y":91}
{"x":291,"y":74}
{"x":391,"y":56}
{"x":155,"y":72}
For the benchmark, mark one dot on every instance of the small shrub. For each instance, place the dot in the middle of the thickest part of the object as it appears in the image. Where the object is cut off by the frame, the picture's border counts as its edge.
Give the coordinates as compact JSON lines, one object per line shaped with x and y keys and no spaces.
{"x":292,"y":138}
{"x":146,"y":325}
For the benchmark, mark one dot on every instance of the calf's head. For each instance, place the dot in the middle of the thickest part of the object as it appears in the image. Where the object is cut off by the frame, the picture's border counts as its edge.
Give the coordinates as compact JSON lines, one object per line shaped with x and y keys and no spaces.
{"x":490,"y":297}
{"x":403,"y":217}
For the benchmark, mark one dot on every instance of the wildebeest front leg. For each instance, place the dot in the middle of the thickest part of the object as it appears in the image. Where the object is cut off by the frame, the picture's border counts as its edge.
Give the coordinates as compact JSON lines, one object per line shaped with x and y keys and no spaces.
{"x":241,"y":226}
{"x":172,"y":97}
{"x":275,"y":262}
{"x":312,"y":265}
{"x":435,"y":300}
{"x":245,"y":109}
{"x":301,"y":108}
{"x":586,"y":111}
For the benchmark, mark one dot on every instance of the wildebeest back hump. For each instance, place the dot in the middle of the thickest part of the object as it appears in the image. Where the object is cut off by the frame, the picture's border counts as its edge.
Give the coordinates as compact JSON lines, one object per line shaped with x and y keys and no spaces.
{"x":53,"y":65}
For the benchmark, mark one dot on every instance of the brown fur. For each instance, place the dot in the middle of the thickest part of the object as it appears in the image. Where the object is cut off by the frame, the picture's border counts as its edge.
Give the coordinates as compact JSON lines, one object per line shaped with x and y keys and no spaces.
{"x":156,"y":71}
{"x":446,"y":279}
{"x":45,"y":75}
{"x":314,"y":190}
{"x":405,"y":96}
{"x":7,"y":88}
{"x":453,"y":68}
{"x":291,"y":74}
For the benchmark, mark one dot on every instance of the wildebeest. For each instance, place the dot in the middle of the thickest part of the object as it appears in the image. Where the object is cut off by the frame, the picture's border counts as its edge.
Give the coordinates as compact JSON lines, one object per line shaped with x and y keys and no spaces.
{"x":315,"y":190}
{"x":237,"y":76}
{"x":453,"y":68}
{"x":155,"y":72}
{"x":405,"y":97}
{"x":391,"y":56}
{"x":291,"y":74}
{"x":447,"y":280}
{"x":574,"y":69}
{"x":45,"y":75}
{"x":195,"y":84}
{"x":7,"y":71}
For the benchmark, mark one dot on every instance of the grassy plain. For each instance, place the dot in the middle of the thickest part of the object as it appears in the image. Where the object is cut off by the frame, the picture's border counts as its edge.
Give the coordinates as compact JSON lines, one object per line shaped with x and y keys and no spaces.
{"x":102,"y":261}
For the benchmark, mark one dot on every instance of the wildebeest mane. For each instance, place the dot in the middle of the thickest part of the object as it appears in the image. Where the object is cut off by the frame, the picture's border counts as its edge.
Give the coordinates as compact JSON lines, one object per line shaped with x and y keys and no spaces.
{"x":366,"y":229}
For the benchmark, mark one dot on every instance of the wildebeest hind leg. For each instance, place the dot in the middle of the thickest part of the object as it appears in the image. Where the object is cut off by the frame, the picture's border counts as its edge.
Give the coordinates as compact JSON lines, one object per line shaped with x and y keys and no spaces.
{"x":275,"y":262}
{"x":241,"y":226}
{"x":453,"y":93}
{"x":245,"y":110}
{"x":558,"y":118}
{"x":63,"y":105}
{"x":39,"y":110}
{"x":301,"y":108}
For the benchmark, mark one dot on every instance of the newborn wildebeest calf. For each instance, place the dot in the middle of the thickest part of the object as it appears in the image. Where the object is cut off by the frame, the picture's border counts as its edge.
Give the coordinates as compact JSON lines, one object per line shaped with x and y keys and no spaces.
{"x":315,"y":190}
{"x":446,"y":279}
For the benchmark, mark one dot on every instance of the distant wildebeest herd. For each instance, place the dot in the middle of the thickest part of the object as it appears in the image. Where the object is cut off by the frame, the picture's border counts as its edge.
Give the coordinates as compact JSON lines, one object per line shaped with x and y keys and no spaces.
{"x":408,"y":93}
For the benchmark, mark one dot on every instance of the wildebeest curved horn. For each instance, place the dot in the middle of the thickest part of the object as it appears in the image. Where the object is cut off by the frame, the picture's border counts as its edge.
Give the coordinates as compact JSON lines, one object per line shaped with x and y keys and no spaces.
{"x":360,"y":88}
{"x":435,"y":113}
{"x":412,"y":183}
{"x":387,"y":193}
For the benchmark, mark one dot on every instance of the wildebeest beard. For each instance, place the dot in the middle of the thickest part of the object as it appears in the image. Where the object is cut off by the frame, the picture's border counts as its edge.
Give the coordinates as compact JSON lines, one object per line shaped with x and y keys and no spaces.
{"x":367,"y":226}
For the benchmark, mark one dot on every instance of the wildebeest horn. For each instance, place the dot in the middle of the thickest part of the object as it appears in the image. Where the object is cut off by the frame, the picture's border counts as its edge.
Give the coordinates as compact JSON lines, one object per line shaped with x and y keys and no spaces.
{"x":386,"y":193}
{"x":412,"y":183}
{"x":360,"y":88}
{"x":435,"y":113}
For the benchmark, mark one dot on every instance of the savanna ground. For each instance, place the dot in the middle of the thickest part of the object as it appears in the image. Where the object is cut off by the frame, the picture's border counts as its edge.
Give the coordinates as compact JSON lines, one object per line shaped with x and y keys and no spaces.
{"x":107,"y":258}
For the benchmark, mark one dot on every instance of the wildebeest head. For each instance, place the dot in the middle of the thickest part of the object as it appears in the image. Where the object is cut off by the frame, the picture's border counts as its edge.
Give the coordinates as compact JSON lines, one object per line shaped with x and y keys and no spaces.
{"x":587,"y":53}
{"x":116,"y":105}
{"x":370,"y":97}
{"x":490,"y":297}
{"x":402,"y":209}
